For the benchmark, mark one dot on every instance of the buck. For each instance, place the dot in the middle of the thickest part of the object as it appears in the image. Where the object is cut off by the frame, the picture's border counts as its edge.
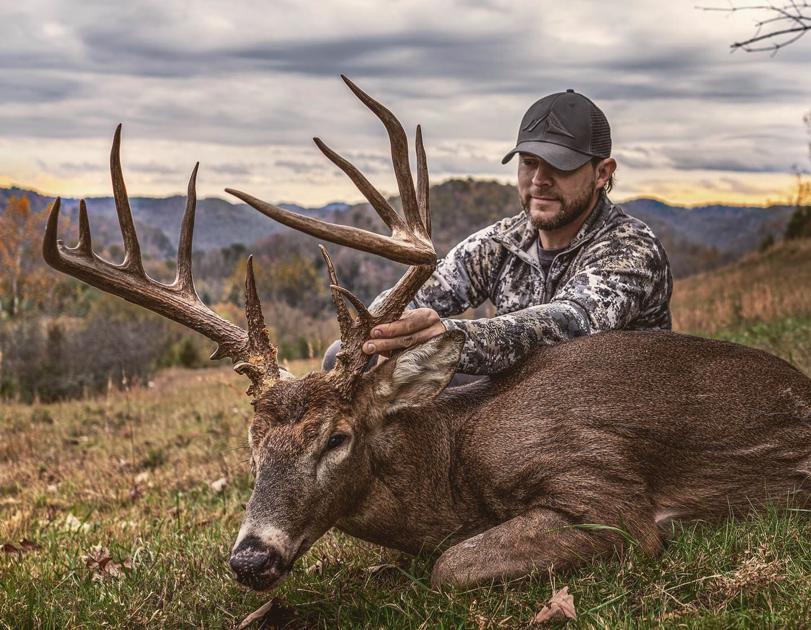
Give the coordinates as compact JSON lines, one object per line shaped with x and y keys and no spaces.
{"x":629,"y":430}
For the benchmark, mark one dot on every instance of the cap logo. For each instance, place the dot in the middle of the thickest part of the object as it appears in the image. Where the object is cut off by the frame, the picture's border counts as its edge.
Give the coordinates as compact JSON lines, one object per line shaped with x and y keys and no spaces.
{"x":534,"y":123}
{"x":552,"y":124}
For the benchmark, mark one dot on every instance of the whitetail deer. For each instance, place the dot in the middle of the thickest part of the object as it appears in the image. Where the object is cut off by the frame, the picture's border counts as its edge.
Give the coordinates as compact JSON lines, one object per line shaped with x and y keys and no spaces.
{"x":626,"y":429}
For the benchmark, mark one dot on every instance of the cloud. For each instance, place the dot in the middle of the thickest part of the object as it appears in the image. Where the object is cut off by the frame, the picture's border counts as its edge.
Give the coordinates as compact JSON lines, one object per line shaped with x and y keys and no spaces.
{"x":243,"y":88}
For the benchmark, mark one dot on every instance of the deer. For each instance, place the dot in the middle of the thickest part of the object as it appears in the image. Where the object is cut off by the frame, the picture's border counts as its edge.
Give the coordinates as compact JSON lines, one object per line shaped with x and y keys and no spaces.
{"x":508,"y":475}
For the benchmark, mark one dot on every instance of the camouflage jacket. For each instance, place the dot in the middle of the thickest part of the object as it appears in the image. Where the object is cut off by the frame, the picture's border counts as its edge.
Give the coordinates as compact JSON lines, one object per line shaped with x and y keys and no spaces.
{"x":614,"y":274}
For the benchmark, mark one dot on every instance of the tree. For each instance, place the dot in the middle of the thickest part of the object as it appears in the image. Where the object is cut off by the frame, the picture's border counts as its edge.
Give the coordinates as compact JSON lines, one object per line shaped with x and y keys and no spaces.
{"x":799,"y":225}
{"x":777,"y":25}
{"x":23,"y":275}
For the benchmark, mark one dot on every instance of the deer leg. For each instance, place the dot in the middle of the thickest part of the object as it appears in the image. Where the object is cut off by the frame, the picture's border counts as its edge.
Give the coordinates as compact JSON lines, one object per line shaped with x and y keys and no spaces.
{"x":540,"y":539}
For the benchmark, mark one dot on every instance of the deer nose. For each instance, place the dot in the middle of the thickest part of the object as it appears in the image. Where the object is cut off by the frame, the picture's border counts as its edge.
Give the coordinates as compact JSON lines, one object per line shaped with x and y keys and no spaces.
{"x":255,"y":564}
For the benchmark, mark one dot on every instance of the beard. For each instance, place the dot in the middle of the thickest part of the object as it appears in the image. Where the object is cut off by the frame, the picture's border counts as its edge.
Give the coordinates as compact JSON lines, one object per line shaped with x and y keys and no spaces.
{"x":570,"y":210}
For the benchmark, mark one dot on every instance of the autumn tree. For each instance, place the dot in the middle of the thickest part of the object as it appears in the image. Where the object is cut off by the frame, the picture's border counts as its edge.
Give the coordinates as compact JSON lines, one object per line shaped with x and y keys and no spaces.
{"x":24,"y":277}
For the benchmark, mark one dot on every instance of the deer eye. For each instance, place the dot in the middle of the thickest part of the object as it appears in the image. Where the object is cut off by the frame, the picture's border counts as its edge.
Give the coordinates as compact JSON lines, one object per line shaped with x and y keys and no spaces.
{"x":336,"y":439}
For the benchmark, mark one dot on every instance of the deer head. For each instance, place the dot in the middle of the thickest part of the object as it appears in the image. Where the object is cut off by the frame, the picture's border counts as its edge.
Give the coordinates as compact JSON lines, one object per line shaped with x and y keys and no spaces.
{"x":309,"y":438}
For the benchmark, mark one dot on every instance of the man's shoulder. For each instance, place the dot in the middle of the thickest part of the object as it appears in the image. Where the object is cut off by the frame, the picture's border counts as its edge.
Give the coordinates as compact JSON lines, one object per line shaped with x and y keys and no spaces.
{"x":625,"y":237}
{"x":623,"y":226}
{"x":620,"y":219}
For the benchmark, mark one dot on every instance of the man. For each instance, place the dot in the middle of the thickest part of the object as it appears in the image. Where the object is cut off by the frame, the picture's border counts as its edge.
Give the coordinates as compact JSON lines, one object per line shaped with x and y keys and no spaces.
{"x":571,"y":264}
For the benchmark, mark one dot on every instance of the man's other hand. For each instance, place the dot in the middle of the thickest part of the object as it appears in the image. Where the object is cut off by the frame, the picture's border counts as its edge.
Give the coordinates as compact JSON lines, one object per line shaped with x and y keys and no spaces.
{"x":415,"y":326}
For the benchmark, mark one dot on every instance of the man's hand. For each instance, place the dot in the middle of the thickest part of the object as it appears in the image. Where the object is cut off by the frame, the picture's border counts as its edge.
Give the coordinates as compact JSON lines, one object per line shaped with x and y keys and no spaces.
{"x":415,"y":326}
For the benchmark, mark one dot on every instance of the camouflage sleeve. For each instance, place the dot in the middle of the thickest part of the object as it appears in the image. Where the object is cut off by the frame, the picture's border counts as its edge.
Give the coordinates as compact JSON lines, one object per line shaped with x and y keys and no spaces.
{"x":463,"y":279}
{"x":616,"y":280}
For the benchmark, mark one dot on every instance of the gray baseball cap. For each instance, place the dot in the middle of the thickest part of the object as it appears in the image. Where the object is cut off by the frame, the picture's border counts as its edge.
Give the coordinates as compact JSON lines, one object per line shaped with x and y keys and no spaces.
{"x":565,"y":129}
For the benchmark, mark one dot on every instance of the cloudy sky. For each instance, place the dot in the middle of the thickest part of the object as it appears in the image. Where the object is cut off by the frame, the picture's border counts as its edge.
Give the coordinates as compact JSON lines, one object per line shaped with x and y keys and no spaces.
{"x":243,"y":86}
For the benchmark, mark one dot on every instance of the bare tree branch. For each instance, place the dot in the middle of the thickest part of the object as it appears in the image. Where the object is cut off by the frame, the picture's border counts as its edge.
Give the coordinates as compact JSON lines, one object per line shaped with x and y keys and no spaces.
{"x":781,"y":24}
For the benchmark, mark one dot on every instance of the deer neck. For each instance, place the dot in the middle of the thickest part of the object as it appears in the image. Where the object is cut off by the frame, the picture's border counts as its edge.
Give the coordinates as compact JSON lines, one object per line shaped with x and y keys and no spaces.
{"x":416,"y":498}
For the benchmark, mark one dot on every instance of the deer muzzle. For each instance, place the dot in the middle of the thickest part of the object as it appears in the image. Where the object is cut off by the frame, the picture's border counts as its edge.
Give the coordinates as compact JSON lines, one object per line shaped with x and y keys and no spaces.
{"x":261,"y":561}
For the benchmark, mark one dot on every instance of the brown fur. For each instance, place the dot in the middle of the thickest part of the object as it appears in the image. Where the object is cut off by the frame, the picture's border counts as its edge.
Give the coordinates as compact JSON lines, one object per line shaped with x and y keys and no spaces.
{"x":619,"y":429}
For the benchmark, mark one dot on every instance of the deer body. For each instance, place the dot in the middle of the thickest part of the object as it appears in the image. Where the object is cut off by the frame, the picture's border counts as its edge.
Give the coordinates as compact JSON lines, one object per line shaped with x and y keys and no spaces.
{"x":599,"y":430}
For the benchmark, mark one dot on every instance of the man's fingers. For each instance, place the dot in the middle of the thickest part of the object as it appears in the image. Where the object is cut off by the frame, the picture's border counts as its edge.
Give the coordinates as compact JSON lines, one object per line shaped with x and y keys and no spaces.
{"x":403,"y":341}
{"x":409,"y":323}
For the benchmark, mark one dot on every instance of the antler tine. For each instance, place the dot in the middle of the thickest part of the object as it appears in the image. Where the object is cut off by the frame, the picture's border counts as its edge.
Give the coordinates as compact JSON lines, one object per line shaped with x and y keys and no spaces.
{"x":177,"y":301}
{"x":379,"y":203}
{"x":50,"y":245}
{"x":260,"y":366}
{"x":364,"y":316}
{"x":422,"y":184}
{"x":132,"y":249}
{"x":399,"y":157}
{"x":350,"y":360}
{"x":184,"y":280}
{"x":344,"y":319}
{"x":85,"y":245}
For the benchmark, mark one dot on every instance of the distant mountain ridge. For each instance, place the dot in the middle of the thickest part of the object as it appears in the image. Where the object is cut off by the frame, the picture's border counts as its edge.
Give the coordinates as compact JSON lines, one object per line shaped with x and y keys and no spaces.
{"x":218,"y":223}
{"x":697,"y":239}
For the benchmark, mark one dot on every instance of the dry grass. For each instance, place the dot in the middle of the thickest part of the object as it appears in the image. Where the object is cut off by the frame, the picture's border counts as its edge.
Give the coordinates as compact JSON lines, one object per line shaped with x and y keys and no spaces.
{"x":760,"y":288}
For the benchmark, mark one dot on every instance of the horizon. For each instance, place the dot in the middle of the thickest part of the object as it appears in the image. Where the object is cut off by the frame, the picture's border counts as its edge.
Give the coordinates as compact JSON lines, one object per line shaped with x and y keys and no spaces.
{"x":243,"y":91}
{"x":765,"y":205}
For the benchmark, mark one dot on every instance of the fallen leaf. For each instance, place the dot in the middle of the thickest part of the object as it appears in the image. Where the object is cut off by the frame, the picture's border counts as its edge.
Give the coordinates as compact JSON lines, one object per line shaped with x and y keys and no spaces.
{"x":10,"y":549}
{"x":142,"y":477}
{"x":559,"y":606}
{"x":101,"y":564}
{"x":256,"y":615}
{"x":219,"y":485}
{"x":315,"y":569}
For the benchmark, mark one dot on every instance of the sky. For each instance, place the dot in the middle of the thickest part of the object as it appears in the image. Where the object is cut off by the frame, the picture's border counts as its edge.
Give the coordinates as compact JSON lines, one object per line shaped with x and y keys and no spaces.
{"x":243,"y":86}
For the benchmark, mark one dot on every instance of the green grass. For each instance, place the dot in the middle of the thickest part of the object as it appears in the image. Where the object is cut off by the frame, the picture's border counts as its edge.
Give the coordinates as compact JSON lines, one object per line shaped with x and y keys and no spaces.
{"x":788,"y":338}
{"x":135,"y":471}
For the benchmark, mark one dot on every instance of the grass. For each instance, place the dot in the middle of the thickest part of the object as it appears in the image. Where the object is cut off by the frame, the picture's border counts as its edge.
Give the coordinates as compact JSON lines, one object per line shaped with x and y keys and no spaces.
{"x":134,"y":472}
{"x":763,"y":287}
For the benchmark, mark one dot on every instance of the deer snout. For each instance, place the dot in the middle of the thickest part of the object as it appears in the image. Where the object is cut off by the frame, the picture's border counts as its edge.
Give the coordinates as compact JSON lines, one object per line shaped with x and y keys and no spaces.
{"x":256,"y":564}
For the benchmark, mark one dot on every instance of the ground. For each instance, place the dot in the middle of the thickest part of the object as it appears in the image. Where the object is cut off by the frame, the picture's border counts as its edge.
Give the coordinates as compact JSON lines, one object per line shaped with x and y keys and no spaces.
{"x":157,"y":478}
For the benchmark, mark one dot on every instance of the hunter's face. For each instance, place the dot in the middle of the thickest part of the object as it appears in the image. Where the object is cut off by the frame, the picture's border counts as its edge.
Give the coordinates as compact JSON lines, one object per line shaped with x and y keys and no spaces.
{"x":553,"y":198}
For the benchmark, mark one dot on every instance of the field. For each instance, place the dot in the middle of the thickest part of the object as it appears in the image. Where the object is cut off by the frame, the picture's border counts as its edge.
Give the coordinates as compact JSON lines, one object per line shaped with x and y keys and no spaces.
{"x":129,"y":504}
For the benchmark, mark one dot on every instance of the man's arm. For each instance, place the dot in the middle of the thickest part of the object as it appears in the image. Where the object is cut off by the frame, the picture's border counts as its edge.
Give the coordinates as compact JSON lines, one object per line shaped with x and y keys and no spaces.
{"x":618,"y":280}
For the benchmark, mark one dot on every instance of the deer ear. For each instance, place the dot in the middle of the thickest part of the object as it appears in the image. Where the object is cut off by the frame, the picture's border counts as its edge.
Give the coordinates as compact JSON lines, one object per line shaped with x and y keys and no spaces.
{"x":417,"y":374}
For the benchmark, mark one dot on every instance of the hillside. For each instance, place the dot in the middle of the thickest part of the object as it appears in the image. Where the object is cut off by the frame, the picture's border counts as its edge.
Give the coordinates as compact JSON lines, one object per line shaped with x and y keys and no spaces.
{"x":696,"y":239}
{"x":763,"y":300}
{"x":761,"y":287}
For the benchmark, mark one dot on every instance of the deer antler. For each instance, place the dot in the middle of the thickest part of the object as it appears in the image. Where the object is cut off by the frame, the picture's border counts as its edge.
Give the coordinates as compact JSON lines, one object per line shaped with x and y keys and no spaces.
{"x":409,"y":243}
{"x":251,"y":351}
